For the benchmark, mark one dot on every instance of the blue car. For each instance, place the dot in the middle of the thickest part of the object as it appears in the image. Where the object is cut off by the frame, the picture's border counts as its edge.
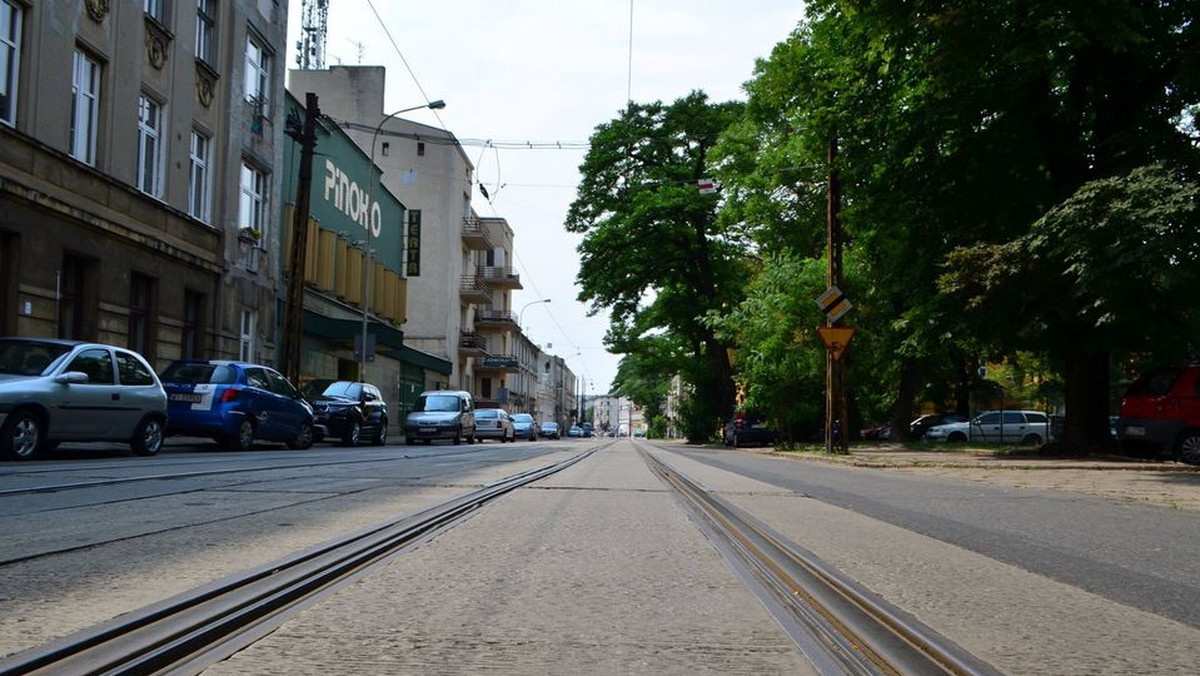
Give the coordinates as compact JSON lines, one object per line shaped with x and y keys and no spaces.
{"x":235,"y":403}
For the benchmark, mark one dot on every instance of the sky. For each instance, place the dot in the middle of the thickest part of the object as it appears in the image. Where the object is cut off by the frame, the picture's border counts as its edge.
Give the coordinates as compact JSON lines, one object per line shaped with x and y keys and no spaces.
{"x":545,"y":72}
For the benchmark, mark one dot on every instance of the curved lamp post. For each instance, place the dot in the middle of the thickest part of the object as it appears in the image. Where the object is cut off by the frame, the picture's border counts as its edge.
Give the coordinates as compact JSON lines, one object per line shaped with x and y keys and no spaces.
{"x":366,"y":273}
{"x":521,"y":314}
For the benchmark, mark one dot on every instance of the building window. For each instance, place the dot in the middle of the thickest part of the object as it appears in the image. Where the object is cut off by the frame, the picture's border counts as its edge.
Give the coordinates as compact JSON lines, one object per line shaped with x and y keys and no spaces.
{"x":71,"y":298}
{"x":252,"y":203}
{"x":386,"y":149}
{"x":420,"y":149}
{"x":205,"y":29}
{"x":141,"y":315}
{"x":10,"y":57}
{"x":258,"y":75}
{"x":85,"y":107}
{"x":154,"y":9}
{"x":249,"y":322}
{"x":150,"y":146}
{"x":193,"y":310}
{"x":198,"y":181}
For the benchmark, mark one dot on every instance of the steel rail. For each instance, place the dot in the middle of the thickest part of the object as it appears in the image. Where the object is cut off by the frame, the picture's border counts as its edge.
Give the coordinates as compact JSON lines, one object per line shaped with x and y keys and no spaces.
{"x":860,"y":632}
{"x":171,"y":633}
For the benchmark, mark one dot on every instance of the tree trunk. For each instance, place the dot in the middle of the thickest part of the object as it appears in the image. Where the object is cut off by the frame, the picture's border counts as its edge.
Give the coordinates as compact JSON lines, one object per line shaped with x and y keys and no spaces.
{"x":902,"y":413}
{"x":1086,"y":430}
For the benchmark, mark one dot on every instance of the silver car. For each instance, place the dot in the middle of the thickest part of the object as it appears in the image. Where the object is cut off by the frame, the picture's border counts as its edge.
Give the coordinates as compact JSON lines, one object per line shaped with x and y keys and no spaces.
{"x":62,"y":390}
{"x":494,"y":423}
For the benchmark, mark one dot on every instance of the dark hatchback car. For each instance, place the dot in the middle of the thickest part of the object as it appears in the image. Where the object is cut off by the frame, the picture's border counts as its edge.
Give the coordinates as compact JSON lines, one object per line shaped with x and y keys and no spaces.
{"x":745,"y":430}
{"x":235,"y":403}
{"x":348,"y":412}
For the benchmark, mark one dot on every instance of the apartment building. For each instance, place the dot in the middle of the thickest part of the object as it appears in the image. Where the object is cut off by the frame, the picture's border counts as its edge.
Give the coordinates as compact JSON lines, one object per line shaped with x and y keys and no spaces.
{"x":139,"y":149}
{"x":350,"y":213}
{"x":458,"y":264}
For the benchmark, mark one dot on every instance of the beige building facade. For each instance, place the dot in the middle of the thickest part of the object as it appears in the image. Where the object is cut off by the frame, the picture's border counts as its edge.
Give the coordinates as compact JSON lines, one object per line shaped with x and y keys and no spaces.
{"x":139,"y":154}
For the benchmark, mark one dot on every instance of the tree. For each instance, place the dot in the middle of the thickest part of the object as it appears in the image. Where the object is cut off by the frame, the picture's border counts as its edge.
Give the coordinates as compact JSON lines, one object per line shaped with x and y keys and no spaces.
{"x":653,"y":254}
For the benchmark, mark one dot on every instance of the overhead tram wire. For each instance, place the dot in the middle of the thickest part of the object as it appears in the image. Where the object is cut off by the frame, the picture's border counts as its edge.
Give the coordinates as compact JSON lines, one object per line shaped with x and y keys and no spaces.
{"x":403,"y":60}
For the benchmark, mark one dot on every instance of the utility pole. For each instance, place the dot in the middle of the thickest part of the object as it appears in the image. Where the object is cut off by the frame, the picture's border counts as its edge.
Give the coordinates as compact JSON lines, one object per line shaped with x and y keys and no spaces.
{"x":835,"y":369}
{"x":294,"y":309}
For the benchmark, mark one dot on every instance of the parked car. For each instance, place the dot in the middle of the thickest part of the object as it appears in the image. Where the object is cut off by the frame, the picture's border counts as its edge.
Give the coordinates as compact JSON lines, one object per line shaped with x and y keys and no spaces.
{"x":575,"y":431}
{"x":1028,"y":428}
{"x":744,"y":429}
{"x":494,"y":423}
{"x":917,"y":428}
{"x":236,"y":403}
{"x":876,"y":432}
{"x":348,"y":411}
{"x":587,"y":429}
{"x":441,"y":414}
{"x":59,"y":390}
{"x":525,"y":426}
{"x":549,"y":430}
{"x":1160,"y":413}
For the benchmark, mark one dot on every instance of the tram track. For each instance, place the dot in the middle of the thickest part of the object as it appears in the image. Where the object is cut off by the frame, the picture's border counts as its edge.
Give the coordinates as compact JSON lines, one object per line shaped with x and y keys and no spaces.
{"x":170,"y":476}
{"x":840,"y":626}
{"x":188,"y":631}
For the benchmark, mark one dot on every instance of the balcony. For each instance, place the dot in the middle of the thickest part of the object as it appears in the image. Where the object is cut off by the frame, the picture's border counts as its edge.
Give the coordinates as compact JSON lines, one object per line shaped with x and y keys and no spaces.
{"x":506,"y":363}
{"x":499,"y":278}
{"x":474,"y":236}
{"x":473,"y":290}
{"x":471,"y":344}
{"x":495,"y":320}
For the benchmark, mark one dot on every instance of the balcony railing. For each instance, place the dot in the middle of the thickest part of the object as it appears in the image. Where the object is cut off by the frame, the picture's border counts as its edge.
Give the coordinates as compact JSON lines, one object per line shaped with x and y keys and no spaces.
{"x":474,"y":236}
{"x":499,"y":277}
{"x":471,"y":343}
{"x":495,"y":317}
{"x":473,"y":290}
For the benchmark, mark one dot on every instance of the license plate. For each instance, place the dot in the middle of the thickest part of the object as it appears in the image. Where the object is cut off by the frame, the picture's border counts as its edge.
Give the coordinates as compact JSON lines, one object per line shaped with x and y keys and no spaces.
{"x":428,"y":430}
{"x":189,"y":398}
{"x":1135,"y":431}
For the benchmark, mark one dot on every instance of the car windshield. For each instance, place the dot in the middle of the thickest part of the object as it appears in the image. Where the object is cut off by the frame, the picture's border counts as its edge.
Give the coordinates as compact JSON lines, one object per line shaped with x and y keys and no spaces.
{"x":487,"y":413}
{"x":437,"y":402}
{"x":199,"y":372}
{"x":29,"y":357}
{"x":522,"y":418}
{"x":333,"y":388}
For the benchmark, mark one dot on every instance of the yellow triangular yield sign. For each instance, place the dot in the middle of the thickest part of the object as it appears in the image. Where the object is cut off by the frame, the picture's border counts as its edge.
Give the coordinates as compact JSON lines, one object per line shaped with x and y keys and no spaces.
{"x":836,"y":339}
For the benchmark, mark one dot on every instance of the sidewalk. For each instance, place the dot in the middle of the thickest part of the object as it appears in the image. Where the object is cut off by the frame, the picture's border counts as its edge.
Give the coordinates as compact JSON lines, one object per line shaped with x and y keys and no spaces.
{"x":1162,"y":483}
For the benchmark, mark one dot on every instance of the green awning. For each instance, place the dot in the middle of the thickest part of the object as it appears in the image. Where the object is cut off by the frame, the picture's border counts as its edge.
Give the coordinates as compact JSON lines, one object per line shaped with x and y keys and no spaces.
{"x":388,"y":340}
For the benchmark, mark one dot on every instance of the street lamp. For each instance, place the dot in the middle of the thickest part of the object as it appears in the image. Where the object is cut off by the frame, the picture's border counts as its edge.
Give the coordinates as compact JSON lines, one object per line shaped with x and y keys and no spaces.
{"x":521,"y":314}
{"x":366,"y":272}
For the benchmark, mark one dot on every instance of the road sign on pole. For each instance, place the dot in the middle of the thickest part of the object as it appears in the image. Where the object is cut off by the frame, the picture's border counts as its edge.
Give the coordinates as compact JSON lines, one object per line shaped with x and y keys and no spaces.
{"x":836,"y":339}
{"x":833,"y":303}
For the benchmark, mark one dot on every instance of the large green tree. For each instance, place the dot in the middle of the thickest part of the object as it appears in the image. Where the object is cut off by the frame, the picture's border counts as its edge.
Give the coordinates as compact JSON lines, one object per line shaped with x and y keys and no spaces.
{"x":962,"y":124}
{"x":653,"y":254}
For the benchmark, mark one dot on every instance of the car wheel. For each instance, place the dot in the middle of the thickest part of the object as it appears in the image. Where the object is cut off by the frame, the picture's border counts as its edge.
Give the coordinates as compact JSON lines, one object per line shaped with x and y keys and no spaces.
{"x":409,"y":441}
{"x":956,"y":437}
{"x":21,"y":435}
{"x":1189,"y":447}
{"x":353,"y":434}
{"x":458,"y":436}
{"x":303,"y":438}
{"x":243,"y":438}
{"x":148,"y":437}
{"x":382,"y":437}
{"x":1031,"y":440}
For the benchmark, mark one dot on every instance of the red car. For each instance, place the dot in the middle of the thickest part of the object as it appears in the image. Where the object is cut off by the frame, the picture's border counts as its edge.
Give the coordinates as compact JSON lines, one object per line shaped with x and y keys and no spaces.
{"x":1161,"y":414}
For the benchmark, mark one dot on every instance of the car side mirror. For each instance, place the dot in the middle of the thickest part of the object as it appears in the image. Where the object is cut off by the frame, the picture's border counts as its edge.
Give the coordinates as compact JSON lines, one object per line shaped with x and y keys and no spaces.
{"x":71,"y":378}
